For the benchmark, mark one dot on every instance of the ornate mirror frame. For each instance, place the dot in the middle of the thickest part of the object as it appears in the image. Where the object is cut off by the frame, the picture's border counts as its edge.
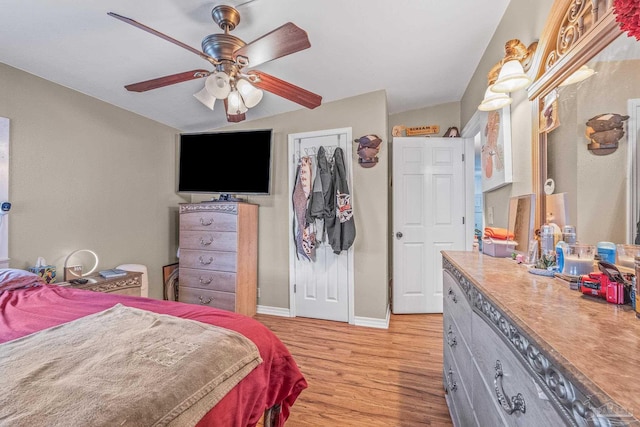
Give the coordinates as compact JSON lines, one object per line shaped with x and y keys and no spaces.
{"x":575,"y":31}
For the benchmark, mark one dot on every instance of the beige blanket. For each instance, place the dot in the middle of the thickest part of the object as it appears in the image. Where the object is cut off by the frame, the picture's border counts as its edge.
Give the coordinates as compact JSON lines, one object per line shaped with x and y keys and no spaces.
{"x":121,"y":367}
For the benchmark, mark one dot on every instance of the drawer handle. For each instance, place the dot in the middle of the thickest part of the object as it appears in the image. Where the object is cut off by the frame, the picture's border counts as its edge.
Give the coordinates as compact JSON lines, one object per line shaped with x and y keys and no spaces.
{"x":451,"y":339}
{"x":517,"y":401}
{"x":204,"y":262}
{"x":205,"y":301}
{"x":206,"y":223}
{"x":451,"y":384}
{"x":453,"y":296}
{"x":206,"y":243}
{"x":205,"y":282}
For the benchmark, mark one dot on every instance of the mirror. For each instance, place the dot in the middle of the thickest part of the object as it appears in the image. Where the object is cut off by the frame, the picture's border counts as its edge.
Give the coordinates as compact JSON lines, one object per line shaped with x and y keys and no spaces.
{"x":600,"y":186}
{"x":598,"y":181}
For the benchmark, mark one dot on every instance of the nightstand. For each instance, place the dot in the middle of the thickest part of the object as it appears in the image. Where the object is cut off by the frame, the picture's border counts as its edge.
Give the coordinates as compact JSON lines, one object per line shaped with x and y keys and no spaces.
{"x":123,"y":285}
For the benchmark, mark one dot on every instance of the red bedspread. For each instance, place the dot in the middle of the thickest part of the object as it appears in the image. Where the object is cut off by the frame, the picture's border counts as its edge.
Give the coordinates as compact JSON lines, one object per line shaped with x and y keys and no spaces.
{"x":276,"y":381}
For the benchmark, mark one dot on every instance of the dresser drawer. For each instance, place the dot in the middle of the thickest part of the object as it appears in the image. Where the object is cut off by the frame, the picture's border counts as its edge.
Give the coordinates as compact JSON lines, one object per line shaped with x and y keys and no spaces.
{"x":457,"y":395}
{"x":456,"y":305}
{"x":208,"y":260}
{"x":206,"y":279}
{"x":209,"y":221}
{"x":459,"y":347}
{"x":222,"y":300}
{"x":209,"y":240}
{"x":485,"y":405}
{"x":488,"y":350}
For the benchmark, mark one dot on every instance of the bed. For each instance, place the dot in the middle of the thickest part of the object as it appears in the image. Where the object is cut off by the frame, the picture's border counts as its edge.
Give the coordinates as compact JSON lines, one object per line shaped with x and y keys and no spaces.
{"x":34,"y":314}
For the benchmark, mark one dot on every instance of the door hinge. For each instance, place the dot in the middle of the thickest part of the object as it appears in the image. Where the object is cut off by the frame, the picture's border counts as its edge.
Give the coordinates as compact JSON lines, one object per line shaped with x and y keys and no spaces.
{"x":462,"y":220}
{"x":294,"y":288}
{"x":463,"y":157}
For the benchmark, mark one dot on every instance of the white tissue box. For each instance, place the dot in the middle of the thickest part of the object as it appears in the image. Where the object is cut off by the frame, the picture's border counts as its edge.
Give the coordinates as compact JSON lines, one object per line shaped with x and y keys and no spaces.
{"x":47,"y":272}
{"x":498,"y":248}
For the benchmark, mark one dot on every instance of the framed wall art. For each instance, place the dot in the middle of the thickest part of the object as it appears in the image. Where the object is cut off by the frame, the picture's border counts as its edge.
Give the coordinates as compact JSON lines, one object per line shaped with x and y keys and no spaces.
{"x":170,"y":281}
{"x":495,"y":141}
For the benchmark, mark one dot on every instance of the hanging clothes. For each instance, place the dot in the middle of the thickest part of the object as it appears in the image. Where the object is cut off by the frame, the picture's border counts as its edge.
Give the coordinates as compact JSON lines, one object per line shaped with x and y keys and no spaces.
{"x":321,"y":195}
{"x":341,"y":229}
{"x":303,"y":233}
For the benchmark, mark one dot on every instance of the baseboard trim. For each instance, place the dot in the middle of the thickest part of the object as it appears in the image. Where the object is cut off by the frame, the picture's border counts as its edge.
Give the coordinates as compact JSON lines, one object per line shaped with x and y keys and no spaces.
{"x":374,"y":322}
{"x":273,"y":311}
{"x":369,"y":322}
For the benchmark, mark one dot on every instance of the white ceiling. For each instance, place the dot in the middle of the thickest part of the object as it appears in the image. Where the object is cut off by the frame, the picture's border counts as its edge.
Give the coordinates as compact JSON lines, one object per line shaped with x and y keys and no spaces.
{"x":422,"y":52}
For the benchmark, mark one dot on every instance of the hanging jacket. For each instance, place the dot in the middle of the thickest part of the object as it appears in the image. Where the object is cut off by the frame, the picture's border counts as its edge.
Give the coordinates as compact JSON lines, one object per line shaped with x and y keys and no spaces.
{"x":341,"y":229}
{"x":303,"y":233}
{"x":320,"y":204}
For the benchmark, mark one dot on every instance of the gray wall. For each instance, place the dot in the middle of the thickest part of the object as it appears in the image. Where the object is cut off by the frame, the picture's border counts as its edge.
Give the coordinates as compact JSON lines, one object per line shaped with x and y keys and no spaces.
{"x":365,"y":114}
{"x":523,"y":20}
{"x":444,"y":115}
{"x":86,"y":174}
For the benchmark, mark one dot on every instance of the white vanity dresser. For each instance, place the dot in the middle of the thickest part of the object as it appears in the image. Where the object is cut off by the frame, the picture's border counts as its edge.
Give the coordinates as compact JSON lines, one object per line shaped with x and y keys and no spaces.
{"x":525,"y":350}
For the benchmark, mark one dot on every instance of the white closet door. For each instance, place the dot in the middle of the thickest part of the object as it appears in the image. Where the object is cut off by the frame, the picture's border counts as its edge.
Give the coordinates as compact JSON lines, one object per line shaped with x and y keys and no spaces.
{"x":4,"y":191}
{"x":321,"y":289}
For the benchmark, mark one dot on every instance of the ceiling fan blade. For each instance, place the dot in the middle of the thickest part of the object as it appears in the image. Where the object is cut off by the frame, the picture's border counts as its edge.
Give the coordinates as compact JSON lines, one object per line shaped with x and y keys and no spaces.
{"x":280,"y":42}
{"x":163,"y":36}
{"x":233,"y":118}
{"x":285,"y":90}
{"x":167,"y":80}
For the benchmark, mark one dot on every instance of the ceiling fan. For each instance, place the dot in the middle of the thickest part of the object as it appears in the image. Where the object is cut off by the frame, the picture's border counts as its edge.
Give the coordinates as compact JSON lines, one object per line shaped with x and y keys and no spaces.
{"x":233,"y":78}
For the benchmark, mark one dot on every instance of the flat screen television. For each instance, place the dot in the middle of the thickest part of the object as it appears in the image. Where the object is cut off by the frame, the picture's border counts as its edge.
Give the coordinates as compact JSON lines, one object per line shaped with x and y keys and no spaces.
{"x":230,"y":163}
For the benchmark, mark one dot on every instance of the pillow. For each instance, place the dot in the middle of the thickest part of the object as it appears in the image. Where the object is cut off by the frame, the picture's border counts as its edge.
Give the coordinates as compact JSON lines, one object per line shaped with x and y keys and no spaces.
{"x":12,"y":278}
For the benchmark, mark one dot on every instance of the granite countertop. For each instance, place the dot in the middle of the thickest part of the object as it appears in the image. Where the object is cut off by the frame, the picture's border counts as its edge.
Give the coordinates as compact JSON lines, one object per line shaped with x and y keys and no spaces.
{"x":597,"y":343}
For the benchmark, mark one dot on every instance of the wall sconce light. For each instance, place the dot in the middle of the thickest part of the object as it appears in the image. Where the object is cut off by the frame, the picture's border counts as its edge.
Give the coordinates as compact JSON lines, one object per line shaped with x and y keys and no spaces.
{"x":494,"y":100}
{"x":508,"y":75}
{"x":515,"y":64}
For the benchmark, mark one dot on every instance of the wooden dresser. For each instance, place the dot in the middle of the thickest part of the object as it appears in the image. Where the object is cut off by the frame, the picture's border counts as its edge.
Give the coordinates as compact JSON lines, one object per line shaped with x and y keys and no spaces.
{"x":525,"y":350}
{"x":218,"y":263}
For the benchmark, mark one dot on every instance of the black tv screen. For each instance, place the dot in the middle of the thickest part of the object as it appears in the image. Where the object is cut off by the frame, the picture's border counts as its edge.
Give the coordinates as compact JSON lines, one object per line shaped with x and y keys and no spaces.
{"x":237,"y":162}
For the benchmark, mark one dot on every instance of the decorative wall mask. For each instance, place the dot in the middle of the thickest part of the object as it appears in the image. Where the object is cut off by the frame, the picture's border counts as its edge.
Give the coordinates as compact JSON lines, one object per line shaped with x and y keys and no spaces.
{"x":604,"y":131}
{"x":452,"y":132}
{"x":368,"y":147}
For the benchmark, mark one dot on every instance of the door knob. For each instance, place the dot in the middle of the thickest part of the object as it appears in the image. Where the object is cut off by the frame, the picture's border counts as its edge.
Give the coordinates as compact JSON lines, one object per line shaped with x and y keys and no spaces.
{"x":399,"y":235}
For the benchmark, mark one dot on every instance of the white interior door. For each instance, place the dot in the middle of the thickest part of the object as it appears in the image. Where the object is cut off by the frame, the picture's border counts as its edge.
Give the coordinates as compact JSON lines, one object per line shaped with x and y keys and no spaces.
{"x":321,"y":289}
{"x":4,"y":191}
{"x":429,"y":202}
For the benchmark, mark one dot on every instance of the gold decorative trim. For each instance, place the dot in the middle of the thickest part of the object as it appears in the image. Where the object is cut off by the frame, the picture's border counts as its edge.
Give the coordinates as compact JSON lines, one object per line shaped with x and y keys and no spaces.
{"x":576,"y":30}
{"x":114,"y":285}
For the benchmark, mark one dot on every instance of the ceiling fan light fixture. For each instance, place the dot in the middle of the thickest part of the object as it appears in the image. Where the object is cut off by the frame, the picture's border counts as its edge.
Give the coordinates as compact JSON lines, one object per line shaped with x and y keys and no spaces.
{"x":235,"y":104}
{"x":218,"y":85}
{"x":206,"y":98}
{"x":250,"y":94}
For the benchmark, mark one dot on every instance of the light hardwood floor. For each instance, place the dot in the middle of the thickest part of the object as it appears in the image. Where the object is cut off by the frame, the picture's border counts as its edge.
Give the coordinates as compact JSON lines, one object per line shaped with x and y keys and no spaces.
{"x":360,"y":376}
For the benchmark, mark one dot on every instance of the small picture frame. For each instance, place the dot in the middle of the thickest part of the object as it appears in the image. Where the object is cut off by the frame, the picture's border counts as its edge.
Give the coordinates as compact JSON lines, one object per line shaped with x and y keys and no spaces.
{"x":170,"y":281}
